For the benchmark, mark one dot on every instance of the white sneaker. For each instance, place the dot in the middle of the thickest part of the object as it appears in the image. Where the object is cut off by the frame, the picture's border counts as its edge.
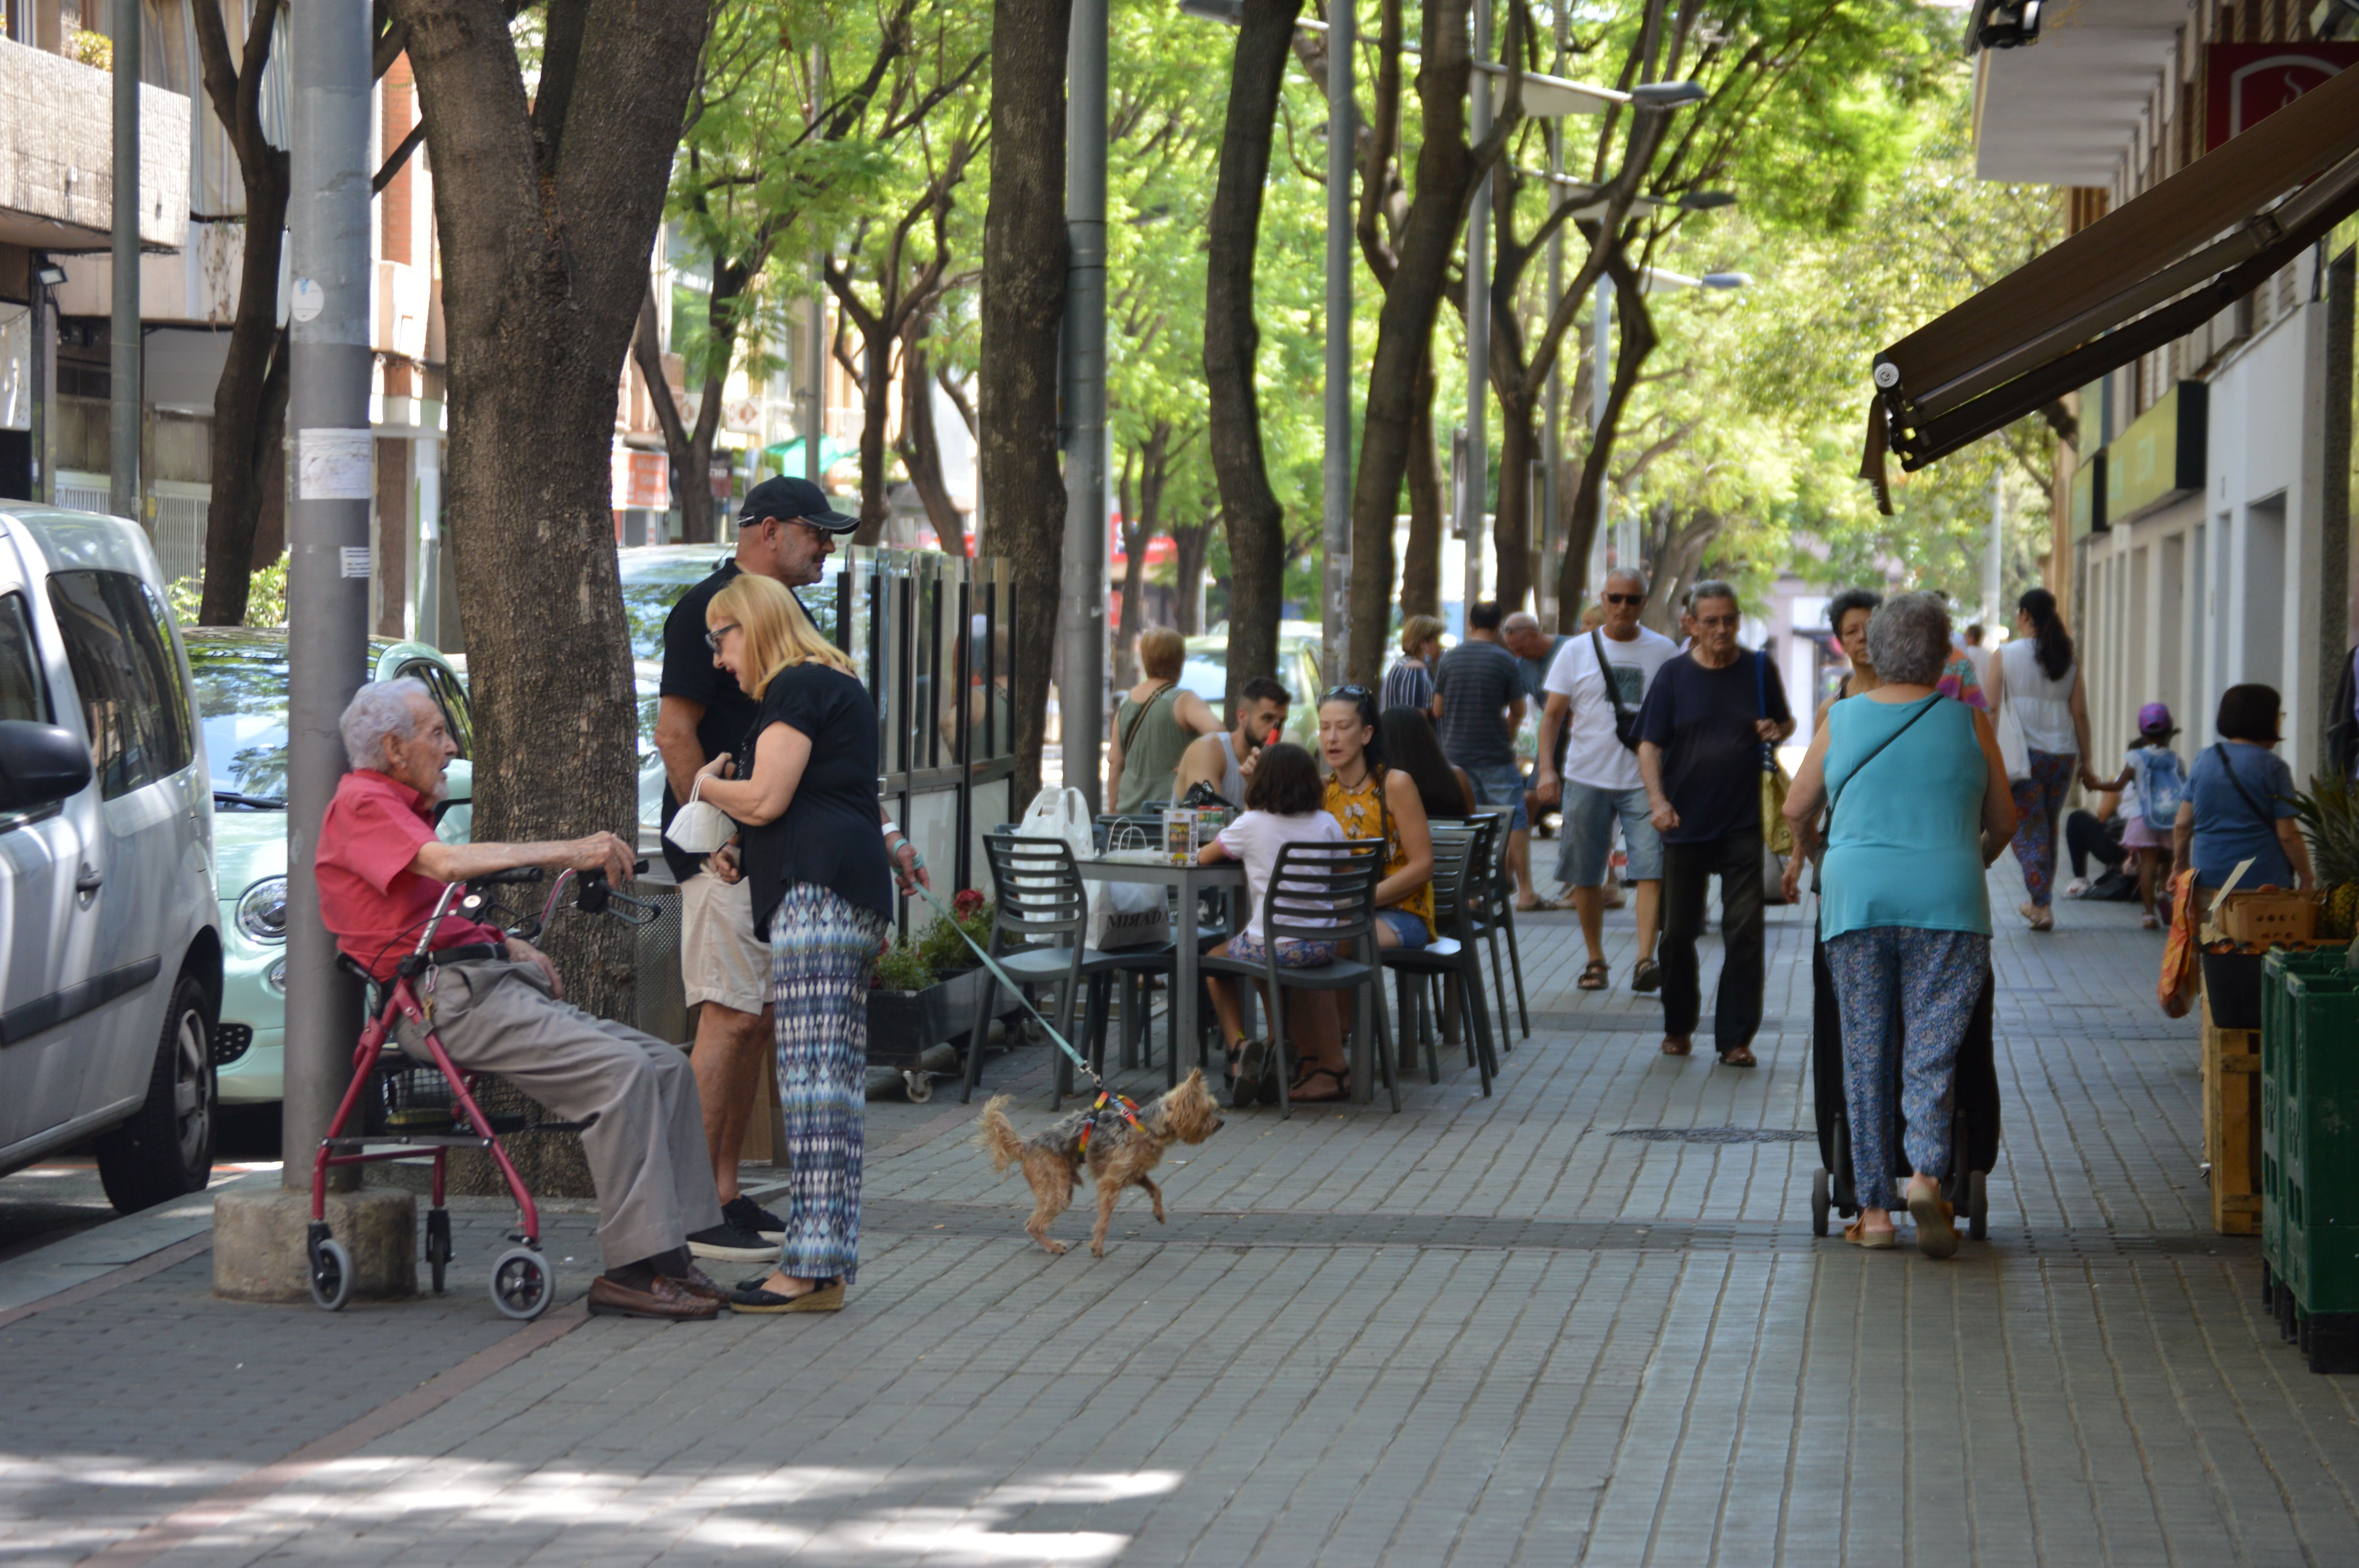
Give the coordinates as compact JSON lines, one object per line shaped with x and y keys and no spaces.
{"x":2076,"y":887}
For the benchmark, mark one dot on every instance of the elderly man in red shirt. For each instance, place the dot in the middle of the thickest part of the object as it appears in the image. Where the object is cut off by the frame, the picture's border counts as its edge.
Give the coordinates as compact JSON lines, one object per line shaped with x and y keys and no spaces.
{"x":496,"y":999}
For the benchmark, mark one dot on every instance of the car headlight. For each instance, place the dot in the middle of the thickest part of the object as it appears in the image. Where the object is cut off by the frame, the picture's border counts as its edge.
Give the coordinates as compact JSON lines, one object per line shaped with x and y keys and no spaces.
{"x":262,"y":910}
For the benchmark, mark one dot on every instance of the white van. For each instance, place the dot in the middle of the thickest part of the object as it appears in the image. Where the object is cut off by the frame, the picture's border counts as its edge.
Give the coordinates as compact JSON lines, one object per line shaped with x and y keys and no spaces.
{"x":110,"y":939}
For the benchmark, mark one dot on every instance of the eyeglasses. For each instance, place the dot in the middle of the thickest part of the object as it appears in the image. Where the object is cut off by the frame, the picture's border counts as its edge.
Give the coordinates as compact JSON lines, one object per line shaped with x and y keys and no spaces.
{"x":1626,"y":599}
{"x":713,"y":638}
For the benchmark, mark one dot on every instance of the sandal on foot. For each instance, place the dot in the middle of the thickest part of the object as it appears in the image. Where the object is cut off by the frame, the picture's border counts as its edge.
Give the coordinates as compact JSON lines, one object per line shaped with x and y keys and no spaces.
{"x":1648,"y":976}
{"x":1538,"y":906}
{"x":1249,"y":1074}
{"x":1594,"y":976}
{"x":1936,"y":1237}
{"x":1342,"y":1077}
{"x":2038,"y":919}
{"x":1858,"y":1235}
{"x":1742,"y":1056}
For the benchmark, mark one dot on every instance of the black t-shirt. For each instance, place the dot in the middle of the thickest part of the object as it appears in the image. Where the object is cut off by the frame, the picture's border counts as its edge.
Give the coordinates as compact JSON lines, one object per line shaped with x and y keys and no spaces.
{"x":1477,"y":679}
{"x":830,"y":832}
{"x":689,"y":672}
{"x":1711,"y":755}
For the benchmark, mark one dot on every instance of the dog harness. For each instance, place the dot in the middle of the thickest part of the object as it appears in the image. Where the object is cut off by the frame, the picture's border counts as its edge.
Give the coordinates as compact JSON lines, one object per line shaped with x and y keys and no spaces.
{"x":1123,"y":1103}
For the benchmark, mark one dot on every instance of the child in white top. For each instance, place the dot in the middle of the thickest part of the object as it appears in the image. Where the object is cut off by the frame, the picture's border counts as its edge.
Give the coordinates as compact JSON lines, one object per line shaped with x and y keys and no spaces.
{"x":1285,"y":804}
{"x":2157,"y":782}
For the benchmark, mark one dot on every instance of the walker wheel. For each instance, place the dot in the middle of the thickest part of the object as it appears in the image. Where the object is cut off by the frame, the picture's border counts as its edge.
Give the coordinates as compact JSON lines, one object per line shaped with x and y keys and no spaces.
{"x":332,"y":1275}
{"x":1978,"y":1223}
{"x":920,"y":1084}
{"x":522,"y":1285}
{"x":438,"y":1244}
{"x":1820,"y":1203}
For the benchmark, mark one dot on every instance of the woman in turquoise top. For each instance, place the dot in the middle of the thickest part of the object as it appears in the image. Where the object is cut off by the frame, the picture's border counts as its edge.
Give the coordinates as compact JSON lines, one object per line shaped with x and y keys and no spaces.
{"x":1921,"y":808}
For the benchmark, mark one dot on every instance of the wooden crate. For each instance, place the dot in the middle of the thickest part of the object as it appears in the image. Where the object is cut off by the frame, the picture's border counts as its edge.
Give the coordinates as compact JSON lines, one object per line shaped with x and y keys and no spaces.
{"x":2232,"y":1125}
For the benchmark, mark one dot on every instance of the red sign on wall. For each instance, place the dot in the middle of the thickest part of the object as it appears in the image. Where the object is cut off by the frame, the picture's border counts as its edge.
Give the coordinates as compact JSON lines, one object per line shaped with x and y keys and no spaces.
{"x":2246,"y":83}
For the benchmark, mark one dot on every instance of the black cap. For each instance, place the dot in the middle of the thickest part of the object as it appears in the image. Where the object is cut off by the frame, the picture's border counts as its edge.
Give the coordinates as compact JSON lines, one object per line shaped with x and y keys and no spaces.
{"x":793,"y":500}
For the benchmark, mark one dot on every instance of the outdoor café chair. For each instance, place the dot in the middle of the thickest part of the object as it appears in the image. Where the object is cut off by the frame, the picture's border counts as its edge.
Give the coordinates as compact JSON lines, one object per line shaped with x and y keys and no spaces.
{"x":1458,"y":858}
{"x":1037,"y":930}
{"x":1493,"y":909}
{"x":1323,"y":893}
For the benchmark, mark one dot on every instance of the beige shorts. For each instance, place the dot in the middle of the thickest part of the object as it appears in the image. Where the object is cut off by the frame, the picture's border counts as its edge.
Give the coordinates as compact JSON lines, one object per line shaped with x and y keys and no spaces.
{"x":721,"y":959}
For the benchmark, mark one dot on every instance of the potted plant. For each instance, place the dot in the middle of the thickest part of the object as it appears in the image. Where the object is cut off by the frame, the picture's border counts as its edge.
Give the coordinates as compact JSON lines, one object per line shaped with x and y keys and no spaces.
{"x":923,"y":992}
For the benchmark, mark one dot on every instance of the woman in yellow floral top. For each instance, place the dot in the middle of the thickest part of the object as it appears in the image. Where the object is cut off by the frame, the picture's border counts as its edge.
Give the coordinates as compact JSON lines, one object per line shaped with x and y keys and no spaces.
{"x":1372,"y":801}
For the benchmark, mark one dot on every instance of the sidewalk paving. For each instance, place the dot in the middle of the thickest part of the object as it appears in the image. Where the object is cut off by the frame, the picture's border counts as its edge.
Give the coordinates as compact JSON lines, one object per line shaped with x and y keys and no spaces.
{"x":1580,"y":1321}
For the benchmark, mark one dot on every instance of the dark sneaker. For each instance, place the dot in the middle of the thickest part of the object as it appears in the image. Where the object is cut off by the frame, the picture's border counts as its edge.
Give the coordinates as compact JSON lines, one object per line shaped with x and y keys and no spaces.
{"x":732,"y":1243}
{"x":746,"y":1214}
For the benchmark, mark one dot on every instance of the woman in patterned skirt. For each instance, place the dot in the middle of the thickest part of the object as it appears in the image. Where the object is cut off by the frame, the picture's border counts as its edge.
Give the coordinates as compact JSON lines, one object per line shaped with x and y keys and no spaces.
{"x":822,"y":899}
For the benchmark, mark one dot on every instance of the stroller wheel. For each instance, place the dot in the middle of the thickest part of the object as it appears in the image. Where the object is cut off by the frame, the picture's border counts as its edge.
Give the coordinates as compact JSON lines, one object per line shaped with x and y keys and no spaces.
{"x":1978,"y":1224}
{"x":332,"y":1275}
{"x":522,"y":1285}
{"x":1820,"y":1203}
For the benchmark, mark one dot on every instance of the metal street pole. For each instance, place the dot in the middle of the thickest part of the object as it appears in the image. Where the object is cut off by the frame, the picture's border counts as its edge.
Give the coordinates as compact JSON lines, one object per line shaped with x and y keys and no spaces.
{"x":1476,"y":496}
{"x":1335,"y":521}
{"x":815,"y":395}
{"x":328,"y":527}
{"x":123,"y":329}
{"x":1082,"y":612}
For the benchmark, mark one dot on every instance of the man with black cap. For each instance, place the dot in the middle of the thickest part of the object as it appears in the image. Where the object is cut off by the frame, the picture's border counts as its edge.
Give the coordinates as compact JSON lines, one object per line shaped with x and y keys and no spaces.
{"x":785,"y":530}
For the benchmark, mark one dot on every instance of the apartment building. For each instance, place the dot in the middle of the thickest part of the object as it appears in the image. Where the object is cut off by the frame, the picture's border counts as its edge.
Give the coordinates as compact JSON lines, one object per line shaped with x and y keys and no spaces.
{"x":2195,"y":327}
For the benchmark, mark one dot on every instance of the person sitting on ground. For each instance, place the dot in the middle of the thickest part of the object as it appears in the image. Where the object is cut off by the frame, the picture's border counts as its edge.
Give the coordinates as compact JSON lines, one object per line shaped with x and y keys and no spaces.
{"x":1410,"y":683}
{"x":1373,"y":800}
{"x":1921,"y":807}
{"x":1482,"y":693}
{"x":1411,"y":746}
{"x":2239,"y":802}
{"x":1155,"y":724}
{"x":2152,"y":773}
{"x":1225,"y":759}
{"x":1595,"y":773}
{"x":1284,"y":804}
{"x":498,"y":1003}
{"x":2097,"y":835}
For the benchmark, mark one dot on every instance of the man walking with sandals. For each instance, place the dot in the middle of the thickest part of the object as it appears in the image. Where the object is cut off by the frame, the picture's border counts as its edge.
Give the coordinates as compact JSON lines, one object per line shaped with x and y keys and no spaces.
{"x":1700,"y":737}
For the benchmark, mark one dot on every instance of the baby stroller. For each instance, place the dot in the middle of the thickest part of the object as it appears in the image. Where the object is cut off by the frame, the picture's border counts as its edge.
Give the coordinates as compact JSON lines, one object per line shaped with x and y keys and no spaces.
{"x":1973,"y":1110}
{"x":406,"y":1109}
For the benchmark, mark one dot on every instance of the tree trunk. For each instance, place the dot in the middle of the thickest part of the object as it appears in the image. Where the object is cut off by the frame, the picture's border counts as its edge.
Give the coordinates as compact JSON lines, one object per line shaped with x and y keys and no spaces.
{"x":1637,"y":326}
{"x":1421,"y":571}
{"x":920,"y":449}
{"x":1024,"y":259}
{"x":1511,"y":531}
{"x":546,"y":223}
{"x":1133,"y":578}
{"x":1193,"y":545}
{"x":647,"y":352}
{"x":1256,"y":522}
{"x":876,"y":408}
{"x":1445,"y":178}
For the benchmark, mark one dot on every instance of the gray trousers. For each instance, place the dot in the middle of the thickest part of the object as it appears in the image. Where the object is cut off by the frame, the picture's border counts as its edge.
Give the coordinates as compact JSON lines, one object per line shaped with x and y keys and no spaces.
{"x":644,"y":1140}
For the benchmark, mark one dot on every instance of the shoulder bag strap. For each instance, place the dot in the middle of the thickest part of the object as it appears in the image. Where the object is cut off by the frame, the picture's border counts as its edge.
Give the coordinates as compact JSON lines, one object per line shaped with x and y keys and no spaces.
{"x":1872,"y":755}
{"x":2269,"y":819}
{"x":1605,"y":673}
{"x":1130,"y":730}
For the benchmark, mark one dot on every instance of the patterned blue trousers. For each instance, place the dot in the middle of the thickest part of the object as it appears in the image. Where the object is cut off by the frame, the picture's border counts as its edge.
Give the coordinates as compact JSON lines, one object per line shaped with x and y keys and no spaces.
{"x":1907,"y":998}
{"x":821,"y":949}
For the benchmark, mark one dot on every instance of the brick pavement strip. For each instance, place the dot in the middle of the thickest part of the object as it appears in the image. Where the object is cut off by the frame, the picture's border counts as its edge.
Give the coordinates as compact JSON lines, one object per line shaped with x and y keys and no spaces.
{"x":1486,"y":1331}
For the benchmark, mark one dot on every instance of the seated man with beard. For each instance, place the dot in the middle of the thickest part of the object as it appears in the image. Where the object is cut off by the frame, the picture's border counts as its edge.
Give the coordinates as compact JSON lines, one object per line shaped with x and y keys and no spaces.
{"x":494,"y":998}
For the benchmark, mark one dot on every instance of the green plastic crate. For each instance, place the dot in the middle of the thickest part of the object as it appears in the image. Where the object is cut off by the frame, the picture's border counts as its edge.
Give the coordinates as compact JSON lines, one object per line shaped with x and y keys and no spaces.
{"x":2309,"y":1132}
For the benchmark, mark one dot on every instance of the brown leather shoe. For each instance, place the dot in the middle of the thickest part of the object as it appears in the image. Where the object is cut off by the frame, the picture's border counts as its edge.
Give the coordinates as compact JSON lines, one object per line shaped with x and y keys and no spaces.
{"x":699,"y":1285}
{"x":665,"y":1299}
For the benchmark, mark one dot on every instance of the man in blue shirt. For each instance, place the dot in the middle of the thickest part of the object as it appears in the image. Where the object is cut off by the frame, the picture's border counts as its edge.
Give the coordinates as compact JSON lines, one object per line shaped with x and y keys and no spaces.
{"x":1708,"y":717}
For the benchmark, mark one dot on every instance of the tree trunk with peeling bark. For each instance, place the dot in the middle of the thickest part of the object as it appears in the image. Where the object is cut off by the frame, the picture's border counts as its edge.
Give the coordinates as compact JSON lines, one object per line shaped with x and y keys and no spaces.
{"x":1421,"y":568}
{"x":1256,"y":522}
{"x":547,"y":205}
{"x":1024,"y":259}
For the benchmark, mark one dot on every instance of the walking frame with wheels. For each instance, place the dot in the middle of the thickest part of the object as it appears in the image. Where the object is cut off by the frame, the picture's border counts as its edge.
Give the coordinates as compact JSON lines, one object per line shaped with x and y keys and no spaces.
{"x":522,"y":1283}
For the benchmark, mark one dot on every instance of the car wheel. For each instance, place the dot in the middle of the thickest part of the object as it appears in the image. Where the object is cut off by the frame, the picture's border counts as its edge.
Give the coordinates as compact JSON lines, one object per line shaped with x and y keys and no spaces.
{"x":165,"y":1150}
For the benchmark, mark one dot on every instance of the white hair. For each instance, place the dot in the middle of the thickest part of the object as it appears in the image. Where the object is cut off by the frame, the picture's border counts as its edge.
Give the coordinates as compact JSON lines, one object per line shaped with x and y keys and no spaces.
{"x":1908,"y":639}
{"x":380,"y":711}
{"x":1629,"y":574}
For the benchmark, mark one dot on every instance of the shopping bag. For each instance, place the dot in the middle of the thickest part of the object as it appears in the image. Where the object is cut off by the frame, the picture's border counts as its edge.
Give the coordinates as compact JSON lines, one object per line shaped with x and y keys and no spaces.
{"x":1121,"y":915}
{"x":2182,"y":968}
{"x":2013,"y":750}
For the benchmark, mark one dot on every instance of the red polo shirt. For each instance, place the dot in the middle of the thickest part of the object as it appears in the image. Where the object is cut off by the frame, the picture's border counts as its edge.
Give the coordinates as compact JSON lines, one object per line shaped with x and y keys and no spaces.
{"x":368,"y":896}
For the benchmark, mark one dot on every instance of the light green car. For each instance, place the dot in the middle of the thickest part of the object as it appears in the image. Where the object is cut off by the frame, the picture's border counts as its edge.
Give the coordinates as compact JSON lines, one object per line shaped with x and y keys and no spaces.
{"x":1207,"y":674}
{"x":241,"y":684}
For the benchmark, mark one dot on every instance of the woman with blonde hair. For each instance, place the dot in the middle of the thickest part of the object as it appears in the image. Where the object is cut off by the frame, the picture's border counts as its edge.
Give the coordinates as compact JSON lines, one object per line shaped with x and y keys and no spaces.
{"x":1410,"y":683}
{"x":1154,"y":723}
{"x":822,"y":891}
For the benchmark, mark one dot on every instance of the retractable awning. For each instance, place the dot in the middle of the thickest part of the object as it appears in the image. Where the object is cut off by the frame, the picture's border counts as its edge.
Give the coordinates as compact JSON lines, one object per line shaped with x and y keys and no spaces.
{"x":2150,"y":271}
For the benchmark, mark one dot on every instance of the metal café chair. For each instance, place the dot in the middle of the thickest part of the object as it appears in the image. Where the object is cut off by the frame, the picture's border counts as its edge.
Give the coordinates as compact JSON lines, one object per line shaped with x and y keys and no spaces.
{"x":1037,"y":930}
{"x":1494,"y":912}
{"x":1458,"y":852}
{"x":1323,"y":893}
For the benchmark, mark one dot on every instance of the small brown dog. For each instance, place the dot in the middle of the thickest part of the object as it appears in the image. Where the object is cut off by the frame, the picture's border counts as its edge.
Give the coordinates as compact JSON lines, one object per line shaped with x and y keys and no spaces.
{"x":1119,"y":1155}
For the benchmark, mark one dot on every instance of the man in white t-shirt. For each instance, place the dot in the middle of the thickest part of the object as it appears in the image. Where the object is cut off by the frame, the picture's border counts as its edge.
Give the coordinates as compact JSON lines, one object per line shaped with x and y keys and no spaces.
{"x":1601,"y":780}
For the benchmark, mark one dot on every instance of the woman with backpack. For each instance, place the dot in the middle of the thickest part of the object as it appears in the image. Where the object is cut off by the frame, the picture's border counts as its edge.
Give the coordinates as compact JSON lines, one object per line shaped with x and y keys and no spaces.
{"x":1919,"y":807}
{"x":2239,"y":803}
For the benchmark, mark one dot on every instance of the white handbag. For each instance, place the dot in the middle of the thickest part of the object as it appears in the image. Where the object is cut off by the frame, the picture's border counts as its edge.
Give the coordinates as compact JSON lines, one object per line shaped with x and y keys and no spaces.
{"x":2012,"y":748}
{"x":700,"y":827}
{"x":1122,"y":915}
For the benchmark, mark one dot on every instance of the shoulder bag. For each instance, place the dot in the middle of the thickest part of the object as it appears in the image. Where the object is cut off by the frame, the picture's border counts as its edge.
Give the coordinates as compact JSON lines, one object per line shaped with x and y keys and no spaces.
{"x":2269,"y":819}
{"x":1626,"y":719}
{"x":1777,"y":833}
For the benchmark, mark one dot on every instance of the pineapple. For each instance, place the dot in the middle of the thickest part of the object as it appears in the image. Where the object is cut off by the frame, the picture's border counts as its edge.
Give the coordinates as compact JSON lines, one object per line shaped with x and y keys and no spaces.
{"x":2329,"y":814}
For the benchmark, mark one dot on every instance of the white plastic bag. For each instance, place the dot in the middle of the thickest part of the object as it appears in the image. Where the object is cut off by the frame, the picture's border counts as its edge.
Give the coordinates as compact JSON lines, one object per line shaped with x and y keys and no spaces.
{"x":699,"y":827}
{"x":1122,"y":915}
